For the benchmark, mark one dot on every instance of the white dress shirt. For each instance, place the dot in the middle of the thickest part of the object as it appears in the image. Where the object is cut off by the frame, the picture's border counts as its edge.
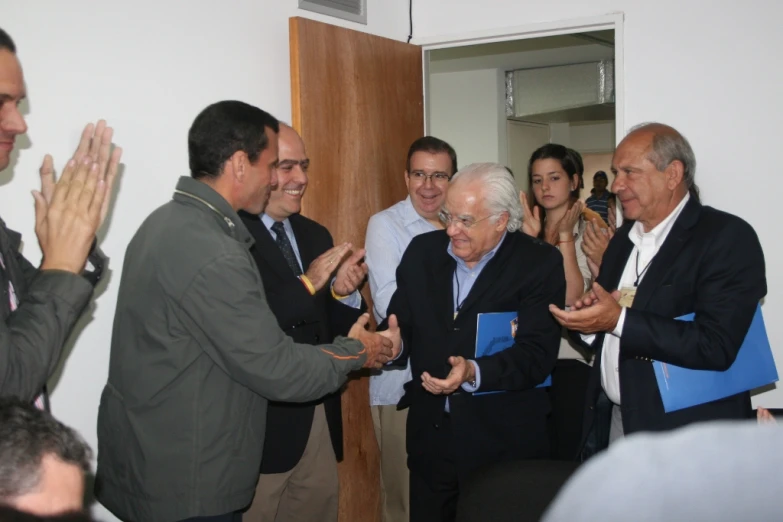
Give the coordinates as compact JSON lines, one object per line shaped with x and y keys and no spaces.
{"x":388,"y":234}
{"x":646,"y":246}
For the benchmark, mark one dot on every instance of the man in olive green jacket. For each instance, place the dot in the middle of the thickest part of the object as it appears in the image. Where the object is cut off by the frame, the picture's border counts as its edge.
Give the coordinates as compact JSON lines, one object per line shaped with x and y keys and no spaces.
{"x":196,"y":351}
{"x":40,"y":304}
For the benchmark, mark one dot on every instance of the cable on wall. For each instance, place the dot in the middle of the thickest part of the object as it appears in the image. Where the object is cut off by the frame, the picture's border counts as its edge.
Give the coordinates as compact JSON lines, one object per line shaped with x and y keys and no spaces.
{"x":410,"y":11}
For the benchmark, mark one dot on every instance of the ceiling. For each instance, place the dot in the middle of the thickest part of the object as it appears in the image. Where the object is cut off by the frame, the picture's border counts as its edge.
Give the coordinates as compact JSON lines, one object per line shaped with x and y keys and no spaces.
{"x":485,"y":56}
{"x":532,"y":53}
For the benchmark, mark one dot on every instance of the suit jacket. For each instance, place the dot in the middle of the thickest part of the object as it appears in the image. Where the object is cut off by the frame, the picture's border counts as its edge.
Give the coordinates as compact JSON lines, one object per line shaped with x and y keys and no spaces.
{"x":526,"y":276}
{"x":710,"y":264}
{"x":308,"y":320}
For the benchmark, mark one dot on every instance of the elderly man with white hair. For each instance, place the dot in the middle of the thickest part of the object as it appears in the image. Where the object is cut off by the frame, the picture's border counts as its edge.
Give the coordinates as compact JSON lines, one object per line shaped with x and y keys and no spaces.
{"x":468,"y":411}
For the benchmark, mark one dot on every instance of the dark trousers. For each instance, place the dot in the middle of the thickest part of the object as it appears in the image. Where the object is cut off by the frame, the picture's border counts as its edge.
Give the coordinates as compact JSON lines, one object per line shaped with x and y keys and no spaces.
{"x":568,"y":397}
{"x":229,"y":517}
{"x":597,"y":438}
{"x":434,"y":485}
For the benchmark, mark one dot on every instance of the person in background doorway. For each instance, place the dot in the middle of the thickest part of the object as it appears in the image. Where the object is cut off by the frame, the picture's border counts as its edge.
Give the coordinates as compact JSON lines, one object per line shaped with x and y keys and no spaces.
{"x":556,"y":217}
{"x":598,"y":198}
{"x":430,"y":164}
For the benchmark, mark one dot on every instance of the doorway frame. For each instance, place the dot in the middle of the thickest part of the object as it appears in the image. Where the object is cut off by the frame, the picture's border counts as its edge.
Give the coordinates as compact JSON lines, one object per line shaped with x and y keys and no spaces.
{"x":614,"y":21}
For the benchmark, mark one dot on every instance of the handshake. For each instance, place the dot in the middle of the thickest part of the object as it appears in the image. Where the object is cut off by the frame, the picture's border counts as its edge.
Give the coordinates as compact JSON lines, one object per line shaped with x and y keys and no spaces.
{"x":380,"y":347}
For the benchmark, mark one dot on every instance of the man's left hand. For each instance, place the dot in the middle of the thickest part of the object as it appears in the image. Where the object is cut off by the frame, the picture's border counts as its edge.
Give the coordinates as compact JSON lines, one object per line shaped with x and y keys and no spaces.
{"x":601,"y":316}
{"x":350,"y":274}
{"x":461,"y":371}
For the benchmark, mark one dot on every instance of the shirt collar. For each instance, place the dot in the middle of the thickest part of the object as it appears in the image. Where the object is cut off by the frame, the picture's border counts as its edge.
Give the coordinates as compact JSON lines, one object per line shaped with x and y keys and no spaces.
{"x":268,"y":222}
{"x":208,"y":198}
{"x":409,"y":214}
{"x":484,"y":259}
{"x":659,"y":233}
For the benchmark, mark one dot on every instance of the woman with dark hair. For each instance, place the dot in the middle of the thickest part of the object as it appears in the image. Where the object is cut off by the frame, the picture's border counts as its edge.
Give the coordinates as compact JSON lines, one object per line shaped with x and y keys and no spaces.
{"x":554,"y":174}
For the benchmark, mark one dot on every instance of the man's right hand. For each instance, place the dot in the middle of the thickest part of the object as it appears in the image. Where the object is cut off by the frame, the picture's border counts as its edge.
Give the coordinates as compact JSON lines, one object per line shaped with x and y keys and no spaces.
{"x":394,"y":335}
{"x":66,"y":226}
{"x":379,"y":349}
{"x":95,"y":142}
{"x":69,"y":212}
{"x":321,"y":269}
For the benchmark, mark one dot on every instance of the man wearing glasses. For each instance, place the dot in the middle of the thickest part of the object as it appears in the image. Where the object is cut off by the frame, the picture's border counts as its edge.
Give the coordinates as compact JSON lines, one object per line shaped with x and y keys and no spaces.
{"x":430,"y":164}
{"x":466,"y":412}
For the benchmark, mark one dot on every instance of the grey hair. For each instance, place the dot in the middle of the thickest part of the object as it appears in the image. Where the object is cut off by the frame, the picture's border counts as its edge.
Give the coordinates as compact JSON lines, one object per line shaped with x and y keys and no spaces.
{"x":500,"y":190}
{"x":27,"y":434}
{"x":669,"y":145}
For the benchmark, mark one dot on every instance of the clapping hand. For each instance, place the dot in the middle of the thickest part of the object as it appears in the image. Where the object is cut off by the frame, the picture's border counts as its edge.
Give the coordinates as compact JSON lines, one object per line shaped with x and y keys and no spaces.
{"x":531,"y":220}
{"x":462,"y":371}
{"x":68,"y":212}
{"x":594,"y":243}
{"x":94,"y":143}
{"x":350,"y":274}
{"x":321,"y":269}
{"x":597,"y":311}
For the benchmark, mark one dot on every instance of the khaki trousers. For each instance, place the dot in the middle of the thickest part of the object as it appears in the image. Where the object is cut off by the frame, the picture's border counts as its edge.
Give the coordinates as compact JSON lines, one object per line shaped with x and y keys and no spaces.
{"x":307,"y":493}
{"x":395,"y":478}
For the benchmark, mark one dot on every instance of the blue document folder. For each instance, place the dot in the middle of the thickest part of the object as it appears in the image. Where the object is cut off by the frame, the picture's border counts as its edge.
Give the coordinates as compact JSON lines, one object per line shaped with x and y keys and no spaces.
{"x":754,"y":367}
{"x":494,"y":333}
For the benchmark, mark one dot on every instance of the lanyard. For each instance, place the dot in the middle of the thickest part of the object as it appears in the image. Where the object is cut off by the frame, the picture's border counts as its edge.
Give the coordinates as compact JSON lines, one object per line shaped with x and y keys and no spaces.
{"x":636,"y":268}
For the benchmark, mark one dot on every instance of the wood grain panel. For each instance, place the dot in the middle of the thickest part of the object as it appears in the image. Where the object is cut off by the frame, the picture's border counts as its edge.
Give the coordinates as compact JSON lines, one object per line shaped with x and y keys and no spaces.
{"x":357,"y":102}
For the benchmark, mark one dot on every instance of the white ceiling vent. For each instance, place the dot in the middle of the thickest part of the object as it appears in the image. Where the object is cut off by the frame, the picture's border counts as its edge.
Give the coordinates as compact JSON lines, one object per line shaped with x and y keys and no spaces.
{"x":353,"y":10}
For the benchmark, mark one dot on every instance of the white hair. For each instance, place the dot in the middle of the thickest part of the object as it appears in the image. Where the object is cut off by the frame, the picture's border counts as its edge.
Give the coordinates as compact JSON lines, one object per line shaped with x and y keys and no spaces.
{"x":500,"y":190}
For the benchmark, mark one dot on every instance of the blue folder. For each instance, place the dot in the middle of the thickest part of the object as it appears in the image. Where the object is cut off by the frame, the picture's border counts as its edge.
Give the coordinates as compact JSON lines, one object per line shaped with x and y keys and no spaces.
{"x":754,"y":367}
{"x":494,"y":333}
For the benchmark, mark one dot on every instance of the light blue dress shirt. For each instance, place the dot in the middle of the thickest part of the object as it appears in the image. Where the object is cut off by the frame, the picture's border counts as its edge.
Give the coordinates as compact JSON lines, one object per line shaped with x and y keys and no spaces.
{"x":464,"y":279}
{"x":354,"y":300}
{"x":388,"y":234}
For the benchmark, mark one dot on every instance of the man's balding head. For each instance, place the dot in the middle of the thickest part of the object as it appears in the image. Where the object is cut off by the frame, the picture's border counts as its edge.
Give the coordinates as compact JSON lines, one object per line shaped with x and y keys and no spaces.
{"x":654,"y":168}
{"x":286,"y":198}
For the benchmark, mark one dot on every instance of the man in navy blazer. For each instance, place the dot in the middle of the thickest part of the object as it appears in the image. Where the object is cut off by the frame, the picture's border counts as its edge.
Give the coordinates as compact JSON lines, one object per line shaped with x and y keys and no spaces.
{"x":311,"y":286}
{"x":481,"y":263}
{"x":672,"y":257}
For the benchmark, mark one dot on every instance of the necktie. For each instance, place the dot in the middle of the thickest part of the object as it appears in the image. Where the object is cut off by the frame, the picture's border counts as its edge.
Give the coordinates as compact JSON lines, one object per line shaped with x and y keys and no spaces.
{"x":286,"y":248}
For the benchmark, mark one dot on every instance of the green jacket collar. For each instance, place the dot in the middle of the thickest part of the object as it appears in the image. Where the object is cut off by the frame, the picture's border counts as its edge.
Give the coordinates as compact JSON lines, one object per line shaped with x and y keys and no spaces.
{"x":201,"y":195}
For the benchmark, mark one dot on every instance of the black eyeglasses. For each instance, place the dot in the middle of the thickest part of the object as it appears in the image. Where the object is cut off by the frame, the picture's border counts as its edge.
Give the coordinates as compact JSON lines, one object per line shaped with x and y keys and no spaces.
{"x":437,"y":177}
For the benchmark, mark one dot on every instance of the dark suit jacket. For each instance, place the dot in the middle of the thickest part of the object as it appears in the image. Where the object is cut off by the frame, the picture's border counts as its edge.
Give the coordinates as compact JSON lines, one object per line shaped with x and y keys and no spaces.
{"x":307,"y":319}
{"x":525,"y":275}
{"x":710,"y":264}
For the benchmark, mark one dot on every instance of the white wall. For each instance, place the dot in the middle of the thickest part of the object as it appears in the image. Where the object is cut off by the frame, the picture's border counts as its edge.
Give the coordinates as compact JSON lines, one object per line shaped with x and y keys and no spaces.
{"x":466,"y":109}
{"x":593,"y":137}
{"x":707,"y":68}
{"x":148,"y":67}
{"x":523,"y":139}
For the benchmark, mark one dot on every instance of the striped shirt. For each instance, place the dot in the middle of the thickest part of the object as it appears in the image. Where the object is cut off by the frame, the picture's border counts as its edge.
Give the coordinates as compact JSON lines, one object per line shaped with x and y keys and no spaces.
{"x":599,"y":205}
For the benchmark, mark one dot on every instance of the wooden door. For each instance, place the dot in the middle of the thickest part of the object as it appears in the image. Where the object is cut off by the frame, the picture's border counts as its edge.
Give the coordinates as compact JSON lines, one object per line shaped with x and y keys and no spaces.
{"x":357,"y":102}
